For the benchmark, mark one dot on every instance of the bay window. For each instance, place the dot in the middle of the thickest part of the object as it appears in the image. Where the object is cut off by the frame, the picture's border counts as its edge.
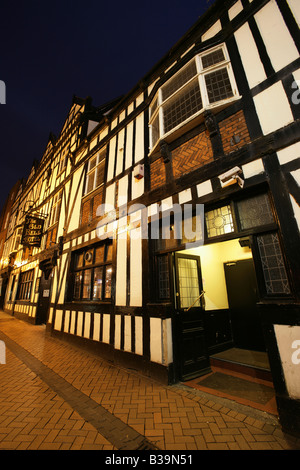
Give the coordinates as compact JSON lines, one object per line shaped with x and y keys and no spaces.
{"x":206,"y":82}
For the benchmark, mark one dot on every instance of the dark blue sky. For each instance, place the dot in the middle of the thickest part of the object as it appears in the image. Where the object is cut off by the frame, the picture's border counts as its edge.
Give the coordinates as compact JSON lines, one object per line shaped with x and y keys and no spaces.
{"x":53,"y":50}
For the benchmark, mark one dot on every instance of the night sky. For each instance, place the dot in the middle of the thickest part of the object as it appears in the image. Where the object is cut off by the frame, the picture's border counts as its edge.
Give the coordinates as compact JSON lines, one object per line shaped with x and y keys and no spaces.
{"x":51,"y":51}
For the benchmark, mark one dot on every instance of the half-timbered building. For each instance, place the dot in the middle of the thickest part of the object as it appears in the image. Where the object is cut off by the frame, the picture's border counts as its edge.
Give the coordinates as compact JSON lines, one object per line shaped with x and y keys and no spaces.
{"x":213,"y":126}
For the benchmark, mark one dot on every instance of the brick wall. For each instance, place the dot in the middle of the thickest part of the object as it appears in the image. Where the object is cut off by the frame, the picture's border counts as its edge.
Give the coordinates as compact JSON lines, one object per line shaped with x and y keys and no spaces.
{"x":192,"y":155}
{"x":158,"y":173}
{"x":234,"y":126}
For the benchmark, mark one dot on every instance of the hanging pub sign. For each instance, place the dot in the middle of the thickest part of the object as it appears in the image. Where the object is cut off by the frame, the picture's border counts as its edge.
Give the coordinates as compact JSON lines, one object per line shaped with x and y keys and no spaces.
{"x":33,"y":231}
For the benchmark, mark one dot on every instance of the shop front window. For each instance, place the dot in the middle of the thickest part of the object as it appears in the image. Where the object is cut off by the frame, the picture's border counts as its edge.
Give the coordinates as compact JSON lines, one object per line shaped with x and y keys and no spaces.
{"x":92,"y":273}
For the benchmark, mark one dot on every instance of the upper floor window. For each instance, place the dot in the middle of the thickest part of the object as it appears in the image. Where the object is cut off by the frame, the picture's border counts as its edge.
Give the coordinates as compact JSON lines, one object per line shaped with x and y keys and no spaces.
{"x":95,"y":173}
{"x":54,"y":216}
{"x":206,"y":82}
{"x":25,"y":285}
{"x":63,"y":161}
{"x":91,"y":276}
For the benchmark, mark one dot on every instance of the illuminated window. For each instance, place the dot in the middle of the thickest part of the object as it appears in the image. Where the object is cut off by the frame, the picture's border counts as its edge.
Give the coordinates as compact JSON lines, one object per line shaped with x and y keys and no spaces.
{"x":92,"y":273}
{"x":25,"y":285}
{"x":219,"y":221}
{"x":54,"y":216}
{"x":95,"y":173}
{"x":204,"y":83}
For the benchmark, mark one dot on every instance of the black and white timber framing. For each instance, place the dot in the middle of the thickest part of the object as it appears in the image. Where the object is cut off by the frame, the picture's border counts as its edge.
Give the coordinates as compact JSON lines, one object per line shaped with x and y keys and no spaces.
{"x":118,"y":294}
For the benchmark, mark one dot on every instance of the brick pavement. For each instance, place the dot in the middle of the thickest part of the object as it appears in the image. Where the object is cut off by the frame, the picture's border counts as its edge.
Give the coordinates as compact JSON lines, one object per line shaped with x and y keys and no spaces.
{"x":54,"y":396}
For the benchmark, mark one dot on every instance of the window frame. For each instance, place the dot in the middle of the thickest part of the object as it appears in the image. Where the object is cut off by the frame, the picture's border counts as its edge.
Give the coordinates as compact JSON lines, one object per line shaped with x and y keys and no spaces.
{"x":156,"y":112}
{"x":25,"y":285}
{"x":56,"y":207}
{"x":100,"y":159}
{"x":91,"y":267}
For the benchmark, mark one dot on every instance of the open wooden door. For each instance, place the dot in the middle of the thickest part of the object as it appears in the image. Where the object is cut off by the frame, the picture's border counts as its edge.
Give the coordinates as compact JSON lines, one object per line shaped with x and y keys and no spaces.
{"x":191,"y":352}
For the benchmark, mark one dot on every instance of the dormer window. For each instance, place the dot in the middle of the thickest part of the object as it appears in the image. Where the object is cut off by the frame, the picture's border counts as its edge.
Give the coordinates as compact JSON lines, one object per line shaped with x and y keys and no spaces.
{"x":206,"y":82}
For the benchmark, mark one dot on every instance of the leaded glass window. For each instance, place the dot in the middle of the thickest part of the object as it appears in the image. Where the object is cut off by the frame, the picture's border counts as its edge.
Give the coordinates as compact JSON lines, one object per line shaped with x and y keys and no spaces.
{"x":188,"y":278}
{"x":163,"y":277}
{"x":92,"y":273}
{"x":255,"y":211}
{"x":95,"y":173}
{"x":219,"y":221}
{"x":273,"y":267}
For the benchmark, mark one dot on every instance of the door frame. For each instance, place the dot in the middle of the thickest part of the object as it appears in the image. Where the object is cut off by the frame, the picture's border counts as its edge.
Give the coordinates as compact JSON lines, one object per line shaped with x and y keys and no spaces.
{"x":189,"y":329}
{"x":42,"y":316}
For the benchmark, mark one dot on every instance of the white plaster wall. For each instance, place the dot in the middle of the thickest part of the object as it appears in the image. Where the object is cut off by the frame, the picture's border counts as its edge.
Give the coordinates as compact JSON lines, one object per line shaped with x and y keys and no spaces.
{"x":212,"y":31}
{"x":123,"y":191}
{"x":296,"y":210}
{"x":120,"y":151}
{"x":111,"y":158}
{"x":139,"y":335}
{"x":127,"y":333}
{"x":106,"y":326}
{"x":118,"y":331}
{"x":273,"y":108}
{"x":129,"y":146}
{"x":135,"y":268}
{"x":139,"y":138}
{"x":278,"y":41}
{"x":121,"y":270}
{"x":295,"y":7}
{"x":289,"y":153}
{"x":288,"y":341}
{"x":156,"y":340}
{"x":96,"y":332}
{"x":253,"y":168}
{"x":58,"y":320}
{"x":73,"y":217}
{"x":252,"y":64}
{"x":235,"y":10}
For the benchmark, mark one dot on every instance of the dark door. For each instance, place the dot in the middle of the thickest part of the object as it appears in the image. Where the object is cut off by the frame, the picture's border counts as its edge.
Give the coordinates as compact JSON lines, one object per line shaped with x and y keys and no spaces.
{"x":44,"y":299}
{"x":191,"y":352}
{"x":242,"y":298}
{"x":3,"y":291}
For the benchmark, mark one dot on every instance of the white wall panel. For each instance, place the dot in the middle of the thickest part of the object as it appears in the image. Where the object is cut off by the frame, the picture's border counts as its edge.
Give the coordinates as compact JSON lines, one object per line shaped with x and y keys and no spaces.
{"x":289,"y":153}
{"x":135,"y":268}
{"x":273,"y":108}
{"x":235,"y":10}
{"x":111,"y":159}
{"x":120,"y":152}
{"x":296,"y":210}
{"x":156,"y":340}
{"x":295,"y":7}
{"x":127,"y":333}
{"x":139,"y":138}
{"x":121,"y":268}
{"x":106,"y":327}
{"x":278,"y":41}
{"x":129,"y":146}
{"x":252,"y":64}
{"x":118,"y":331}
{"x":139,"y":335}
